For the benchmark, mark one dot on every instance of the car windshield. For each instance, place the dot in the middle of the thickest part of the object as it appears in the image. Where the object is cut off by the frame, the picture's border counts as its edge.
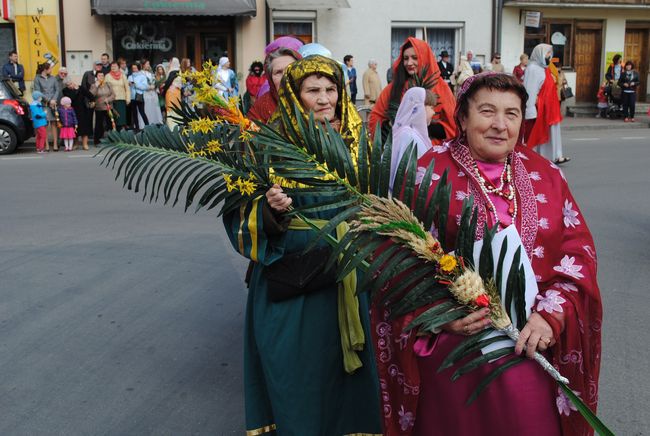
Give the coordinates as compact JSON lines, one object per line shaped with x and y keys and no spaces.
{"x":9,"y":90}
{"x":4,"y":92}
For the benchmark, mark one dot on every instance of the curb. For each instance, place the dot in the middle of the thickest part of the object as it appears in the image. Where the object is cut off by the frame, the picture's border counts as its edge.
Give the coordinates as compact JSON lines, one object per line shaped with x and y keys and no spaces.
{"x":608,"y":126}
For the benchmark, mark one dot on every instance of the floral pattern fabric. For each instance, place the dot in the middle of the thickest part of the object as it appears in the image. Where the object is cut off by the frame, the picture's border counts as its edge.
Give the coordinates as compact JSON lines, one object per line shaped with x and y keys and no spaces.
{"x":563,"y":258}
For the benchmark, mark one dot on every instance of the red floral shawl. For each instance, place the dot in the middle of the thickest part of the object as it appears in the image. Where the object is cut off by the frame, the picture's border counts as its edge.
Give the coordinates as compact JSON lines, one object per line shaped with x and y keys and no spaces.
{"x":561,"y":249}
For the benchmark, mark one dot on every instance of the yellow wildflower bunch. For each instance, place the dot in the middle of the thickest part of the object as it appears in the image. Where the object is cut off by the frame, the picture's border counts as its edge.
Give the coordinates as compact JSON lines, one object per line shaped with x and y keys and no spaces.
{"x":202,"y":125}
{"x":205,"y":94}
{"x":243,"y":185}
{"x":213,"y":146}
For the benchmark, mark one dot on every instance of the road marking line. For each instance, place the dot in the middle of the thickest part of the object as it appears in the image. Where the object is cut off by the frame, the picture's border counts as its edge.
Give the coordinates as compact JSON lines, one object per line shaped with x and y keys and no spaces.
{"x":21,"y":157}
{"x":584,"y":139}
{"x":633,"y":137}
{"x":81,"y":155}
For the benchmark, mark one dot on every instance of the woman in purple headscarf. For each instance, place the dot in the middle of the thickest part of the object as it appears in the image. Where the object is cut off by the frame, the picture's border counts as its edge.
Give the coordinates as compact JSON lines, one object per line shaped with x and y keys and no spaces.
{"x":279,"y":55}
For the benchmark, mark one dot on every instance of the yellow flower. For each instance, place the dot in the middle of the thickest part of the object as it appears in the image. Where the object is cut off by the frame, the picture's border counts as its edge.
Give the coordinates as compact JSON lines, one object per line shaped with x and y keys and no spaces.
{"x":190,"y":147}
{"x":245,"y":136}
{"x":246,"y":187}
{"x":202,"y":125}
{"x":213,"y":146}
{"x":448,"y":263}
{"x":206,"y":94}
{"x":230,"y":186}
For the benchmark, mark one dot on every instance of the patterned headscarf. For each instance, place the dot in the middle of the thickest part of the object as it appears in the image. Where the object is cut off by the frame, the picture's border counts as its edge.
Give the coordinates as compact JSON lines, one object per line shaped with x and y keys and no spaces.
{"x":289,"y":96}
{"x":461,"y":100}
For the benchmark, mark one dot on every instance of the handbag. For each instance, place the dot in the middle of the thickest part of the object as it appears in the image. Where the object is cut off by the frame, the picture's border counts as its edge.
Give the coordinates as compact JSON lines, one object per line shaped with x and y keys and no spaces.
{"x":299,"y":273}
{"x":566,"y":92}
{"x":139,"y":97}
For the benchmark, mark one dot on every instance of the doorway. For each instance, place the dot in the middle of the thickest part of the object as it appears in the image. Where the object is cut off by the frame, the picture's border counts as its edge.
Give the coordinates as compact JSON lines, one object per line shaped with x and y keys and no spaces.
{"x":636,"y":50}
{"x":201,"y":46}
{"x":588,"y":47}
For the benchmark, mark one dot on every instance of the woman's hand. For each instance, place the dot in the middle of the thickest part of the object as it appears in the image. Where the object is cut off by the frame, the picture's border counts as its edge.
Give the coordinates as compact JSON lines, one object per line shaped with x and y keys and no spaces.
{"x":277,"y":199}
{"x":537,"y":335}
{"x":471,"y":324}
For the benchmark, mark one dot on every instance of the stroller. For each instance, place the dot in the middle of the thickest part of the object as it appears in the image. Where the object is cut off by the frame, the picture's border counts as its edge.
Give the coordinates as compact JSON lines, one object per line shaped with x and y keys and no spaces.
{"x":614,"y":95}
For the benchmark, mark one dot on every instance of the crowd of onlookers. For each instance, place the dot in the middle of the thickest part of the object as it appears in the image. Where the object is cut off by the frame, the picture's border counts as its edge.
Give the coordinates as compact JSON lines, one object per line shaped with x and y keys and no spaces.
{"x":113,"y":95}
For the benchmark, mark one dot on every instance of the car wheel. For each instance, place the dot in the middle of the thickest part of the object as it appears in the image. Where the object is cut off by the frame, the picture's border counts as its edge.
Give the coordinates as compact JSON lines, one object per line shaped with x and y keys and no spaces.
{"x":8,"y":140}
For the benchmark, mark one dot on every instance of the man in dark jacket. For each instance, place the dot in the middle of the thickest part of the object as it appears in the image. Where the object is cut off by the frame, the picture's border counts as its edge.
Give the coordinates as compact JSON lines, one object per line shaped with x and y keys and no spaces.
{"x":446,"y":68}
{"x":14,"y":70}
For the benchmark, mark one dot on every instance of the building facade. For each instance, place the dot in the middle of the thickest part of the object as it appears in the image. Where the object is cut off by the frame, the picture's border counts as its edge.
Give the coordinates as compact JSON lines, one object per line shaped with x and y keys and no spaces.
{"x":375,"y":29}
{"x":585,"y":35}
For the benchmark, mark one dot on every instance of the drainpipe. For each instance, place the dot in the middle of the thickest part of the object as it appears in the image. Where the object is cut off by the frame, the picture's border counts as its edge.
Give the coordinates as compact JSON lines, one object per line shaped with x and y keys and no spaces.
{"x":62,"y":32}
{"x":497,"y":20}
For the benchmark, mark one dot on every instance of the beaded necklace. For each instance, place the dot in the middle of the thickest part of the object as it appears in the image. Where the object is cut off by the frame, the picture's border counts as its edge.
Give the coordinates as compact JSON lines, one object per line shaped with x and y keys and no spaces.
{"x":505,"y":190}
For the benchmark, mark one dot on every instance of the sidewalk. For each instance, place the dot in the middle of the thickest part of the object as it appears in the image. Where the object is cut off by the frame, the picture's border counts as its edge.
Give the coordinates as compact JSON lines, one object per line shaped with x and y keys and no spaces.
{"x":593,"y":123}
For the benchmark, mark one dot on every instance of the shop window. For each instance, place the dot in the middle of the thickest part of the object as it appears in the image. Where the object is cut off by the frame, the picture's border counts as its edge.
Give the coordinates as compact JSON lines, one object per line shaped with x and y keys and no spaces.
{"x":153,"y":39}
{"x":7,"y":41}
{"x":438,"y":38}
{"x":557,"y":33}
{"x":301,"y":30}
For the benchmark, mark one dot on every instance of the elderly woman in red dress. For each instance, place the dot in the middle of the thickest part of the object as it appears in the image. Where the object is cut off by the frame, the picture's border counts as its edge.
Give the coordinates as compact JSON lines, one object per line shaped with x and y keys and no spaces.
{"x":486,"y":160}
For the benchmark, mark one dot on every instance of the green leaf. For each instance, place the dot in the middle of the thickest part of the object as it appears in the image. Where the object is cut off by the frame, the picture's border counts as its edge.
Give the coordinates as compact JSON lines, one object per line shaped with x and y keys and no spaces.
{"x":443,"y":319}
{"x":400,"y":174}
{"x":486,"y":258}
{"x":385,"y":169}
{"x":493,"y":375}
{"x":586,"y":412}
{"x":423,"y":195}
{"x":482,"y":359}
{"x":461,"y":349}
{"x":502,"y":257}
{"x":431,"y":314}
{"x":511,"y":282}
{"x":473,"y":348}
{"x":520,"y":298}
{"x":363,"y":162}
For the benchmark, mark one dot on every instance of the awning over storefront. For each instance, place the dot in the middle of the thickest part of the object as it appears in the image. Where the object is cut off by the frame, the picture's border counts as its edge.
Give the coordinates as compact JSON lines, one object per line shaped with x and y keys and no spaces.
{"x":307,"y":4}
{"x":174,"y":7}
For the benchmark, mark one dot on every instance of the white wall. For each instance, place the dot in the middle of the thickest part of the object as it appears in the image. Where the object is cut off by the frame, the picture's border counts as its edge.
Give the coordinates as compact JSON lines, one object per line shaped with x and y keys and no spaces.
{"x":364,"y":29}
{"x":512,"y":38}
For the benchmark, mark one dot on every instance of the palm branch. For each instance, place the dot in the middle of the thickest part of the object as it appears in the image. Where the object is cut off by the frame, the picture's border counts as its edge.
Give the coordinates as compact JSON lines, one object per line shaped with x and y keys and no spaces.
{"x":315,"y":160}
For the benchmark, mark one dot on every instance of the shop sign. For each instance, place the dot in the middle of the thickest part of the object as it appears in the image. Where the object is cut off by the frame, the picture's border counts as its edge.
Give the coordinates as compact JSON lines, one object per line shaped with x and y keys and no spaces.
{"x":37,"y":41}
{"x":162,"y":44}
{"x":533,"y":19}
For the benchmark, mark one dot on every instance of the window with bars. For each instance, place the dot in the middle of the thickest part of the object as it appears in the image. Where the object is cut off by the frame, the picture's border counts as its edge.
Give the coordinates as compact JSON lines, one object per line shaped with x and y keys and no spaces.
{"x":438,"y":38}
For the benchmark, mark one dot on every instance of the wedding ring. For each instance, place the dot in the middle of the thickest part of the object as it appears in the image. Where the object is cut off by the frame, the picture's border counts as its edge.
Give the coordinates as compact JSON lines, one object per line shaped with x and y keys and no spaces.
{"x":466,"y":329}
{"x":547,"y":341}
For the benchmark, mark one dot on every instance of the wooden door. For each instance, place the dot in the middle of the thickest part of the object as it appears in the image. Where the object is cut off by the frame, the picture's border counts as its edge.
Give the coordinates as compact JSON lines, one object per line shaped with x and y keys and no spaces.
{"x":636,"y":50}
{"x":587,"y":63}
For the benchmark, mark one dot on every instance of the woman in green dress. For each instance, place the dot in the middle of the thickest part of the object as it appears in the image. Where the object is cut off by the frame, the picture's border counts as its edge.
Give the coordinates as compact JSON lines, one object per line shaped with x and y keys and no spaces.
{"x":309,"y":367}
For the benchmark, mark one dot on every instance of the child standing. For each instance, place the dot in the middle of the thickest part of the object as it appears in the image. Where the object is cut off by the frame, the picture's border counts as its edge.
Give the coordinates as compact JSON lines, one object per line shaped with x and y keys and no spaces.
{"x":68,"y":123}
{"x":602,"y":101}
{"x":39,"y":120}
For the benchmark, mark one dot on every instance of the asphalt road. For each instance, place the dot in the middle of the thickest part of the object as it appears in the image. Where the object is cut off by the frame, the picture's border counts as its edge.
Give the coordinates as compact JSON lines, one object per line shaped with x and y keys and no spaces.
{"x":120,"y":317}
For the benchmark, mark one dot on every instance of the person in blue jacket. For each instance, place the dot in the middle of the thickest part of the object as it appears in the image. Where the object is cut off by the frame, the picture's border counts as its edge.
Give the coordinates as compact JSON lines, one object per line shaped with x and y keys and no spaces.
{"x":39,"y":120}
{"x":14,"y":70}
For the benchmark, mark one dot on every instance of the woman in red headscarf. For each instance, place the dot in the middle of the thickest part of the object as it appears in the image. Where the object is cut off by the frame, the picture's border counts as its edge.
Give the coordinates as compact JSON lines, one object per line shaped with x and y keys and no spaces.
{"x":416,"y":63}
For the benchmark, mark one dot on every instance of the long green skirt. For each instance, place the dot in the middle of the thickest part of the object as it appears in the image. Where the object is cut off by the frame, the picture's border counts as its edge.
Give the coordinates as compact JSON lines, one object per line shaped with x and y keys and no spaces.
{"x":120,"y":108}
{"x":294,"y":379}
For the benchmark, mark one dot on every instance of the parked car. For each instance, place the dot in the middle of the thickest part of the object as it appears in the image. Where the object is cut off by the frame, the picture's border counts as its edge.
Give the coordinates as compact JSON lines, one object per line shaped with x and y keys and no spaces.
{"x":15,"y":123}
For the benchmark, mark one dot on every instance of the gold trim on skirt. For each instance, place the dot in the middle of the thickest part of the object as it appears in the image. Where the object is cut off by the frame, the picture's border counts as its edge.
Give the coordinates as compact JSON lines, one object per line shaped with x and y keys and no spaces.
{"x":261,"y":430}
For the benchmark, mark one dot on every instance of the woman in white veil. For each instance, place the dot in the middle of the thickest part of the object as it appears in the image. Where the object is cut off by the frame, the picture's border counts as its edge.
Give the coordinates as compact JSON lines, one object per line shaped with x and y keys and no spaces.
{"x":413,"y":117}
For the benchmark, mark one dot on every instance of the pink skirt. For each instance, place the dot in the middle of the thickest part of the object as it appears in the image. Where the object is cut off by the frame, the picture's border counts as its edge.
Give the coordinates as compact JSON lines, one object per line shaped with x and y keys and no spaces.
{"x":67,"y":133}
